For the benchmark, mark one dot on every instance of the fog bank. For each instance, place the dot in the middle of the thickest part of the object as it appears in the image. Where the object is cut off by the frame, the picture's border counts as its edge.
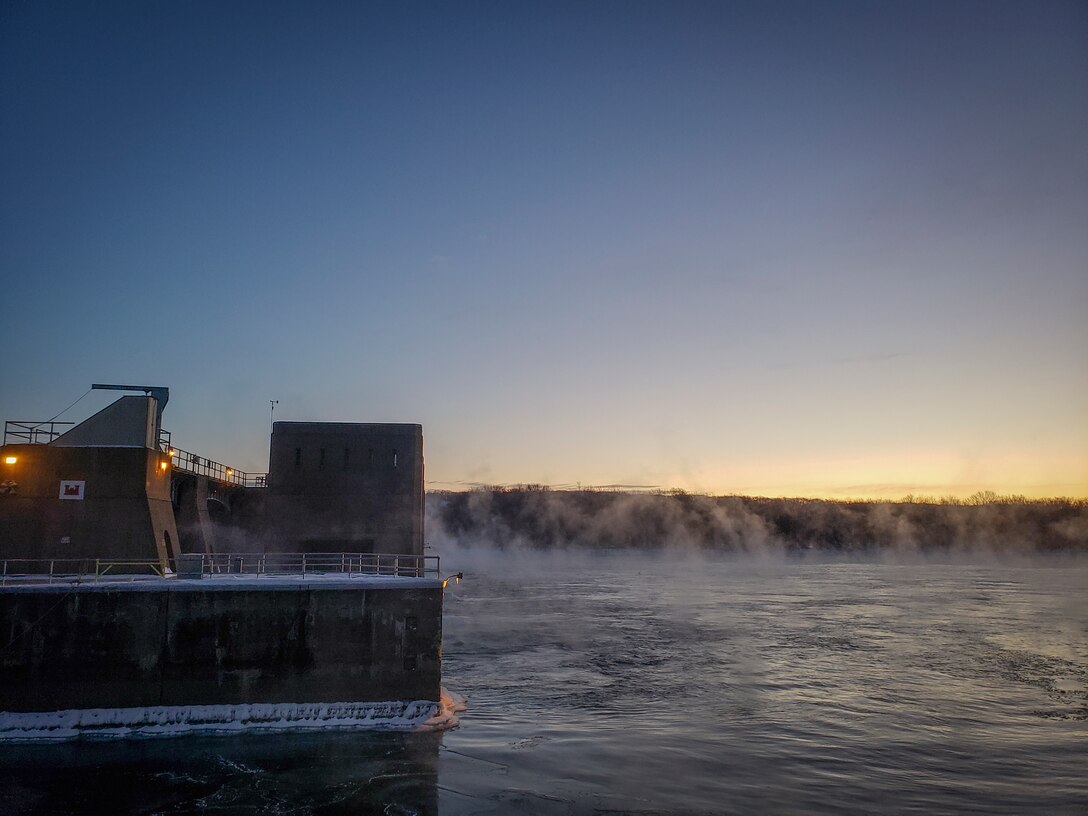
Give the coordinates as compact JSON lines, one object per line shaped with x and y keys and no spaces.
{"x":539,"y":518}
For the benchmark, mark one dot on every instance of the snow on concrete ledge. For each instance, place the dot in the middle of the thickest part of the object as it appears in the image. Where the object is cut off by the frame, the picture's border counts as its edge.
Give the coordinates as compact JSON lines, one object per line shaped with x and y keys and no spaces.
{"x":170,"y":721}
{"x":227,"y":581}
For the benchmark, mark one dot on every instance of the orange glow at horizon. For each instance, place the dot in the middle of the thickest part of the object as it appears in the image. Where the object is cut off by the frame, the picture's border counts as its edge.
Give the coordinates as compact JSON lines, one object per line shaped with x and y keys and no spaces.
{"x":887,"y":476}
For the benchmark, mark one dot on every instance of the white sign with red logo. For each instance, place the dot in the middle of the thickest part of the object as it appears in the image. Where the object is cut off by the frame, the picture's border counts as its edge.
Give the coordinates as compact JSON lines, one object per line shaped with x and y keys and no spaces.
{"x":72,"y":490}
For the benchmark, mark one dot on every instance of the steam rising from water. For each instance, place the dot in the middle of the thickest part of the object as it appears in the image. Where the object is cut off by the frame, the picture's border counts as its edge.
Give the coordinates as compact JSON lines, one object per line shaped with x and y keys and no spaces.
{"x":540,"y":518}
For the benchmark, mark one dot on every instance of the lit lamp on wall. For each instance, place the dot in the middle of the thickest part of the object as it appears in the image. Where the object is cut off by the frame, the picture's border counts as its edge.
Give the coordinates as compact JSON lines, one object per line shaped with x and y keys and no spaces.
{"x":456,"y":579}
{"x":7,"y":485}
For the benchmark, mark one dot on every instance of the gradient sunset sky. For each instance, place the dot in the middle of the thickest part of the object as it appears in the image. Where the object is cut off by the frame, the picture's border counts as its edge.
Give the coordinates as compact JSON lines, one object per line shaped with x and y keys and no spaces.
{"x":776,"y":248}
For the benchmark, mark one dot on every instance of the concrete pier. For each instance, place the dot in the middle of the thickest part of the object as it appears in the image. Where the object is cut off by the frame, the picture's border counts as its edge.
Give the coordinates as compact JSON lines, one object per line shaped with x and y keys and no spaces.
{"x":222,"y":640}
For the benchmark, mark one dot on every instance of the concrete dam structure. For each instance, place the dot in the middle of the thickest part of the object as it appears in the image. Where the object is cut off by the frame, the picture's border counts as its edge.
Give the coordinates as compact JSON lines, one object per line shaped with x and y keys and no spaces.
{"x":338,"y":486}
{"x":116,"y":484}
{"x":146,"y":590}
{"x":102,"y":487}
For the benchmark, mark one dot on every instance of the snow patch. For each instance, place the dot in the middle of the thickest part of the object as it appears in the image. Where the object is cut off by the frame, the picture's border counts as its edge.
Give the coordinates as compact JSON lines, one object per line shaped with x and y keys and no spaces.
{"x":167,"y":721}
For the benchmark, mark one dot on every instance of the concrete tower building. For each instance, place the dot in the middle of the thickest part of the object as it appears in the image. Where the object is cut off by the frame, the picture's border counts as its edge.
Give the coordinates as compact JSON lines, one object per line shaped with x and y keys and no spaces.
{"x":345,"y":487}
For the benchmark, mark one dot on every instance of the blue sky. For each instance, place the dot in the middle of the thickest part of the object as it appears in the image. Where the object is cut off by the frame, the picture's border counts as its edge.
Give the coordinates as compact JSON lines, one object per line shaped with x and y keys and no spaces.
{"x":777,"y":248}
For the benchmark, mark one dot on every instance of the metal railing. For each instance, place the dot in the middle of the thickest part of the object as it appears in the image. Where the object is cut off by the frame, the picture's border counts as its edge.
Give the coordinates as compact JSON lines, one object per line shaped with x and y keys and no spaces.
{"x":42,"y":433}
{"x":350,"y":564}
{"x":66,"y":570}
{"x":242,"y":565}
{"x":32,"y":433}
{"x":188,"y":462}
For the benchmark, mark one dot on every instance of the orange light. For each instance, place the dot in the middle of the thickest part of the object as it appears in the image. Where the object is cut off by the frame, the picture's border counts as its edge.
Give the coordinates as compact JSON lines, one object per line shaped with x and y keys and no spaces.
{"x":10,"y":460}
{"x":171,"y":452}
{"x":229,"y":471}
{"x":163,"y":465}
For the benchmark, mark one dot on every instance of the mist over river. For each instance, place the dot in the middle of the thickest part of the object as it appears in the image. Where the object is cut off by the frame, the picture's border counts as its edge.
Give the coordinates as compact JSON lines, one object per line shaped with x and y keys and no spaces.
{"x":659,"y":683}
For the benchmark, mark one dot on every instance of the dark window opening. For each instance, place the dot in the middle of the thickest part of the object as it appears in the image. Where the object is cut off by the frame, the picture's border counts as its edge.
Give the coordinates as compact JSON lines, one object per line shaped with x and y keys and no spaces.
{"x":370,"y":457}
{"x":347,"y":457}
{"x":321,"y":460}
{"x":298,"y":458}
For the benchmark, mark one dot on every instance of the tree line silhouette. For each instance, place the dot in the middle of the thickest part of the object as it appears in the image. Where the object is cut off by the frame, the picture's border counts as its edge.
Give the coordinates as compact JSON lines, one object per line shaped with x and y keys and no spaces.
{"x":538,"y":517}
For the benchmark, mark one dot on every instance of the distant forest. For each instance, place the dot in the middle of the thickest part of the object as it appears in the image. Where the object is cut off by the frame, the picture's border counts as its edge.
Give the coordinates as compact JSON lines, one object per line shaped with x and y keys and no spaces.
{"x":538,"y":517}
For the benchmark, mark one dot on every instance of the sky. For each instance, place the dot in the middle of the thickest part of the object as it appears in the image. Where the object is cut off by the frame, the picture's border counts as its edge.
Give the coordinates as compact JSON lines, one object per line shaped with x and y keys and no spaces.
{"x":776,"y":248}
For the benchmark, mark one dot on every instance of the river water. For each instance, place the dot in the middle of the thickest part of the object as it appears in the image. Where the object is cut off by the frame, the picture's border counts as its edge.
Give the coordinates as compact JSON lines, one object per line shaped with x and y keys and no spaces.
{"x":626,"y":683}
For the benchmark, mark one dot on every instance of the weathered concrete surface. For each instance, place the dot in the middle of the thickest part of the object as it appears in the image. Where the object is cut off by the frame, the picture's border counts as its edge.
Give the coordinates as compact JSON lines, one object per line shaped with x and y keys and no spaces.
{"x":195,"y":528}
{"x":124,"y":511}
{"x":206,"y":642}
{"x":130,"y":422}
{"x":345,"y":487}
